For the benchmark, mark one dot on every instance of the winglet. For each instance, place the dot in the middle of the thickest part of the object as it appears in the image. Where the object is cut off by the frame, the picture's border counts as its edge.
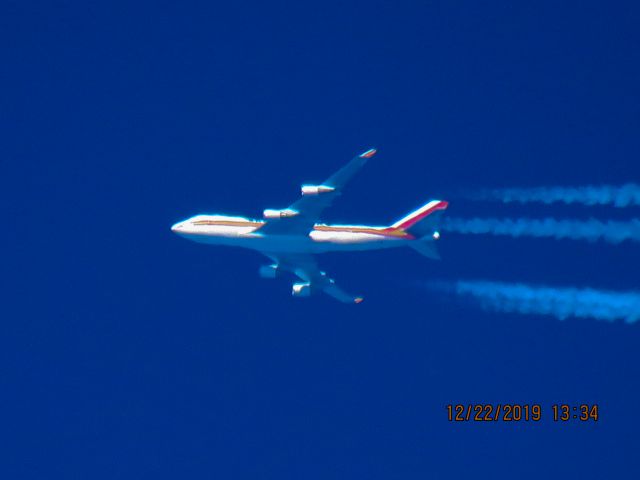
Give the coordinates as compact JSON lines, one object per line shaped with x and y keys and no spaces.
{"x":336,"y":292}
{"x":369,"y":153}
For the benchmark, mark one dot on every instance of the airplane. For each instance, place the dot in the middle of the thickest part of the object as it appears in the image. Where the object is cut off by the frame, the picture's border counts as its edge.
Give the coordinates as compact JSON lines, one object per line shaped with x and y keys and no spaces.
{"x":291,"y":237}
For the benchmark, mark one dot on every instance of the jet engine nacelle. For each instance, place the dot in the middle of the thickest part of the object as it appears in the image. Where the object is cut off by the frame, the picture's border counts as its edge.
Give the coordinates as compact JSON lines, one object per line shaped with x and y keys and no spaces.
{"x":315,"y":189}
{"x":287,"y":212}
{"x":301,"y":289}
{"x":270,"y":271}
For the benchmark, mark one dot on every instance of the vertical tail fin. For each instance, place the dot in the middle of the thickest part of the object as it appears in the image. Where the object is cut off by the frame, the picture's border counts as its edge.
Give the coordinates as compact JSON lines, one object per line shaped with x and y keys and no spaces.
{"x":423,"y":221}
{"x":423,"y":224}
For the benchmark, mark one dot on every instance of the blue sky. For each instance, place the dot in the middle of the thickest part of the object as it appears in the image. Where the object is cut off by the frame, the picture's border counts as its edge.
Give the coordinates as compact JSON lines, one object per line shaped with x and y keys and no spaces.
{"x":128,"y":352}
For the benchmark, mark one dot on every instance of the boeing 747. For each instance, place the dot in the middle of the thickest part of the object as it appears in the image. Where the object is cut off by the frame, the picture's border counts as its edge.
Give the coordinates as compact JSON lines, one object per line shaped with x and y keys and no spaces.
{"x":292,"y":236}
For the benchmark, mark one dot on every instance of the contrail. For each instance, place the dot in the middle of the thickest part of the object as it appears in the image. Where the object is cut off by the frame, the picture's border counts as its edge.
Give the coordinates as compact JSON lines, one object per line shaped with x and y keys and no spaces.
{"x":590,"y":230}
{"x":618,"y":196}
{"x":558,"y":302}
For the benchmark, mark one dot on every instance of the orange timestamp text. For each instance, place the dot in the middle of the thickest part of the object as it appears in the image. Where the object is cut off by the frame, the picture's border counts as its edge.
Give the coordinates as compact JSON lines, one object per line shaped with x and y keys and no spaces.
{"x":516,"y":412}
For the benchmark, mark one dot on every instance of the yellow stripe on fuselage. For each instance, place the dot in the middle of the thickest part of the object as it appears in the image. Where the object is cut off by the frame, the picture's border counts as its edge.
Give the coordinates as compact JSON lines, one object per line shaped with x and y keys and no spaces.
{"x":370,"y":230}
{"x":385,"y":231}
{"x":230,"y":223}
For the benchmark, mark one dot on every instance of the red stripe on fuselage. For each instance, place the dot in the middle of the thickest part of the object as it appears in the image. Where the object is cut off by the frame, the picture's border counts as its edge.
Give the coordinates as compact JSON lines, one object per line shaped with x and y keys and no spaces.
{"x":385,"y":232}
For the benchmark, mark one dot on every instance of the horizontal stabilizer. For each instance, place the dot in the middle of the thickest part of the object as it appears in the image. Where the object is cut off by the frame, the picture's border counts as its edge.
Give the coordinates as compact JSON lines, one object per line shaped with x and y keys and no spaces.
{"x":426,"y":247}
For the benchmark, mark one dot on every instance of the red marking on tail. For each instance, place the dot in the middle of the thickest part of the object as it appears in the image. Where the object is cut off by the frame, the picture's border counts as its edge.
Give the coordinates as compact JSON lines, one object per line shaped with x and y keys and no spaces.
{"x":413,"y":218}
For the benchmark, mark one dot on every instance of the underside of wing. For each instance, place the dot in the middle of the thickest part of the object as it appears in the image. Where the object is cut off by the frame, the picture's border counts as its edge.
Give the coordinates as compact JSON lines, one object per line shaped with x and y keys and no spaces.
{"x":300,"y":217}
{"x":313,"y":279}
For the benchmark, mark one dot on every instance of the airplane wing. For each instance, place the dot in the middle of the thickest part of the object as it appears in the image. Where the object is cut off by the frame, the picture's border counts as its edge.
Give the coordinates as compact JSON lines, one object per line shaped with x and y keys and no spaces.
{"x":306,"y":269}
{"x":304,"y":213}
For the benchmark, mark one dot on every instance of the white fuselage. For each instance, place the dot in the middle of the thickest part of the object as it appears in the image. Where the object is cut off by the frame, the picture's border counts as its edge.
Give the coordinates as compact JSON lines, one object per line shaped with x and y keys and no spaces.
{"x":243,"y":232}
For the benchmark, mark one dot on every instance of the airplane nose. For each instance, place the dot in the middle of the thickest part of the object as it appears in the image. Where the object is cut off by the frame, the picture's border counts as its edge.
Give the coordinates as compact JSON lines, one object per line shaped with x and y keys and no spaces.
{"x":176,"y":228}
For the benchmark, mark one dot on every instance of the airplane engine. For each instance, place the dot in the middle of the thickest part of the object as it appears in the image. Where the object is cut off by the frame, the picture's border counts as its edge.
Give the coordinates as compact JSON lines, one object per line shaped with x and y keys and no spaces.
{"x":301,"y":290}
{"x":270,"y":271}
{"x":271,"y":213}
{"x":315,"y":189}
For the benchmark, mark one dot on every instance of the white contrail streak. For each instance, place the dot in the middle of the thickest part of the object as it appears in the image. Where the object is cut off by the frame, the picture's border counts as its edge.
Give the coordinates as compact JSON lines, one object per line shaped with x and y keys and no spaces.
{"x":590,"y":230}
{"x":558,"y":302}
{"x":619,"y":196}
